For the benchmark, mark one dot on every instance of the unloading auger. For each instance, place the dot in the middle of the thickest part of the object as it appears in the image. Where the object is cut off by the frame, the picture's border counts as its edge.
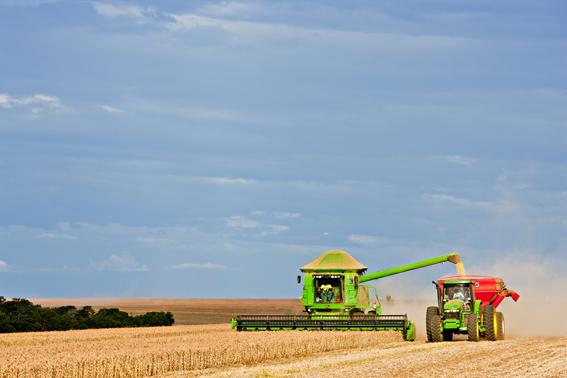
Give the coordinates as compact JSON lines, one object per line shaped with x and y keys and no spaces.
{"x":335,"y":299}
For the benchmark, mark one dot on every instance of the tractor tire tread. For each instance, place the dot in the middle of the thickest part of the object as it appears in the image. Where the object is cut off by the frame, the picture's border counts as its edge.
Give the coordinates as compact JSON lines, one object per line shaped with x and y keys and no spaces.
{"x":489,"y":320}
{"x":435,"y":328}
{"x":500,"y":334}
{"x":431,"y":311}
{"x":472,"y":328}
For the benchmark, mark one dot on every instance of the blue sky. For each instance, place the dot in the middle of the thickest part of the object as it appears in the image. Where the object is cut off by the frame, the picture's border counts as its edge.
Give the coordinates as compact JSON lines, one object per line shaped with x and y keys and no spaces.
{"x":197,"y":149}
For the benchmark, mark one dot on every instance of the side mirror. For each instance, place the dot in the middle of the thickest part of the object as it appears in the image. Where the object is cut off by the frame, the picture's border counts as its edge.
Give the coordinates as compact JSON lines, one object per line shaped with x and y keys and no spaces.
{"x":298,"y":279}
{"x":435,"y":283}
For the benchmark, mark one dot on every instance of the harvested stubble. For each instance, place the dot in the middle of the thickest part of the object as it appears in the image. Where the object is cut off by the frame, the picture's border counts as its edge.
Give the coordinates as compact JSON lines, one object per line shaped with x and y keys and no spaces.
{"x":151,"y":351}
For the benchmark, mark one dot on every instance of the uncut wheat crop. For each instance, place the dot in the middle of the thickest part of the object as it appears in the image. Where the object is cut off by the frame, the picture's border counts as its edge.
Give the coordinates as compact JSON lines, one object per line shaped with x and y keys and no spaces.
{"x":153,"y":351}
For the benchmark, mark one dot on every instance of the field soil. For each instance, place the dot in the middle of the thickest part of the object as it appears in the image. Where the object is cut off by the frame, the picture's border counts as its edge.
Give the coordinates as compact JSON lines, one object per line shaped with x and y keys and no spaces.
{"x":518,"y":357}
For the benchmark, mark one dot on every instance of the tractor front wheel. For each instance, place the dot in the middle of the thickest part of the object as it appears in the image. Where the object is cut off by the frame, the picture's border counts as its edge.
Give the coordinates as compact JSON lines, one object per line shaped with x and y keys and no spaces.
{"x":472,"y":328}
{"x":500,"y":326}
{"x":436,"y":329}
{"x":447,"y":335}
{"x":490,"y":323}
{"x":431,"y":311}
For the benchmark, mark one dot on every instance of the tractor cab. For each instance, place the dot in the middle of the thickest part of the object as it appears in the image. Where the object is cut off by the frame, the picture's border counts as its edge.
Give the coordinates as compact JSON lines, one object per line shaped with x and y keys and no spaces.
{"x":457,"y":296}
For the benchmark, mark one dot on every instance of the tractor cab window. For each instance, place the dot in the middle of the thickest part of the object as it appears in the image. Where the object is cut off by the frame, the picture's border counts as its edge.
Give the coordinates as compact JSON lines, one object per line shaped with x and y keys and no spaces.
{"x":328,"y":289}
{"x":460,"y":292}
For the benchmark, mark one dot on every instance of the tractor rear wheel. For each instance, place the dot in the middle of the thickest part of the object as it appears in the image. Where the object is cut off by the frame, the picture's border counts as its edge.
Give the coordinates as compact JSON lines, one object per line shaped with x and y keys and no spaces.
{"x":472,"y":328}
{"x":436,"y":329}
{"x":489,"y":321}
{"x":500,"y":326}
{"x":431,"y":311}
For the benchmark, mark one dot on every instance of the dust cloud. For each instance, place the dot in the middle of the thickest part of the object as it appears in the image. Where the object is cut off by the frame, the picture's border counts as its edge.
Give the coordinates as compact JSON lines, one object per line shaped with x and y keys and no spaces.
{"x":542,"y":285}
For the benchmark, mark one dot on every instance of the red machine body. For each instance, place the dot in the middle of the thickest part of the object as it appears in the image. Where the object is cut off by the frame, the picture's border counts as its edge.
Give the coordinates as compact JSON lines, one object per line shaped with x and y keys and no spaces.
{"x":489,"y":290}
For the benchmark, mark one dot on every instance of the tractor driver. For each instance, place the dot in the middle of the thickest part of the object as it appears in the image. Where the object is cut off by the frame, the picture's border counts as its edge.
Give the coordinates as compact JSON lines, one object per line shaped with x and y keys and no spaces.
{"x":458,"y":293}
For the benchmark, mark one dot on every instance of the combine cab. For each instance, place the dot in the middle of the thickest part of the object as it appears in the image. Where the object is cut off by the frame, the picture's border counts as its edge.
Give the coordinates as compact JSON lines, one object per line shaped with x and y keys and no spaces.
{"x":467,"y":305}
{"x":334,"y":298}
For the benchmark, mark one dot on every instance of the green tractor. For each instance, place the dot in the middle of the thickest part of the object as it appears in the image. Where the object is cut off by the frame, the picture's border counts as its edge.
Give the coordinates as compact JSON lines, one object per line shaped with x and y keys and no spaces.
{"x":467,"y":305}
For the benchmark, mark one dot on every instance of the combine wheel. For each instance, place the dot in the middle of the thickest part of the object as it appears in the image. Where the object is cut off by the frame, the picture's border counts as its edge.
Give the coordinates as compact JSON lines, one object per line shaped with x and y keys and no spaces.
{"x":500,"y":326}
{"x":472,"y":328}
{"x":431,"y":311}
{"x":435,"y":328}
{"x":490,"y":323}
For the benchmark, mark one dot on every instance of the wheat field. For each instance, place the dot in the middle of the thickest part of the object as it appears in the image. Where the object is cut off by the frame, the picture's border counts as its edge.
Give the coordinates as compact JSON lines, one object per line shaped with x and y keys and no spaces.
{"x":154,"y":351}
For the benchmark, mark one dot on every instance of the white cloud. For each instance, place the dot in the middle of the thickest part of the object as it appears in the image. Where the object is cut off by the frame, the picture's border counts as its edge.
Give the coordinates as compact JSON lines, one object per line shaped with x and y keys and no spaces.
{"x":276,"y":214}
{"x":458,"y":201}
{"x":285,"y":215}
{"x":459,"y":160}
{"x":199,"y":266}
{"x":273,"y":229}
{"x":36,"y":103}
{"x":27,"y":3}
{"x":118,"y":263}
{"x":110,"y":109}
{"x":122,"y":10}
{"x":4,"y":267}
{"x":56,"y":235}
{"x":366,"y":239}
{"x":253,"y":31}
{"x":239,"y":222}
{"x":227,"y":181}
{"x":226,"y":8}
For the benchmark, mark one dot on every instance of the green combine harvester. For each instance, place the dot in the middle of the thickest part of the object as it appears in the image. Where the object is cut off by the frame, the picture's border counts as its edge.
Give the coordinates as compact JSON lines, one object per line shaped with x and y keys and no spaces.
{"x":335,"y":299}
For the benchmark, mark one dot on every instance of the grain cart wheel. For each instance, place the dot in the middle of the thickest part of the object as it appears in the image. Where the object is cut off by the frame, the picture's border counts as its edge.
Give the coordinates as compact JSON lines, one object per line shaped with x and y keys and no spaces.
{"x":472,"y":328}
{"x":500,"y":326}
{"x":490,"y":324}
{"x":435,"y":328}
{"x":431,"y":311}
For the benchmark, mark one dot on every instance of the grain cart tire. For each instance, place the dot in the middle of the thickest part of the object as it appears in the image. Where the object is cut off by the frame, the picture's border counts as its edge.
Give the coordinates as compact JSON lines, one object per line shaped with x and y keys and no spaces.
{"x":472,"y":328}
{"x":431,"y":311}
{"x":500,"y":324}
{"x":490,"y":325}
{"x":435,"y":329}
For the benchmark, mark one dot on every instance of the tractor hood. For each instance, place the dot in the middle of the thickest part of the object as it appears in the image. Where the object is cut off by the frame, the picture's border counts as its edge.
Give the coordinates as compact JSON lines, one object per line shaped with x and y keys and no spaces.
{"x":453,"y":305}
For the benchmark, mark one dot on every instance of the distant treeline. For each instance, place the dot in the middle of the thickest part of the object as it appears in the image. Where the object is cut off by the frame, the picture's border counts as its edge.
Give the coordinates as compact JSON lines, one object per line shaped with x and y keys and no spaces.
{"x":21,"y":315}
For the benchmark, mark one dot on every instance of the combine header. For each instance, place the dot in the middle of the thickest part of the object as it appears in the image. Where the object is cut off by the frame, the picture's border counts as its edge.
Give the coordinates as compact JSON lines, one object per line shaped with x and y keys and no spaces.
{"x":335,"y":299}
